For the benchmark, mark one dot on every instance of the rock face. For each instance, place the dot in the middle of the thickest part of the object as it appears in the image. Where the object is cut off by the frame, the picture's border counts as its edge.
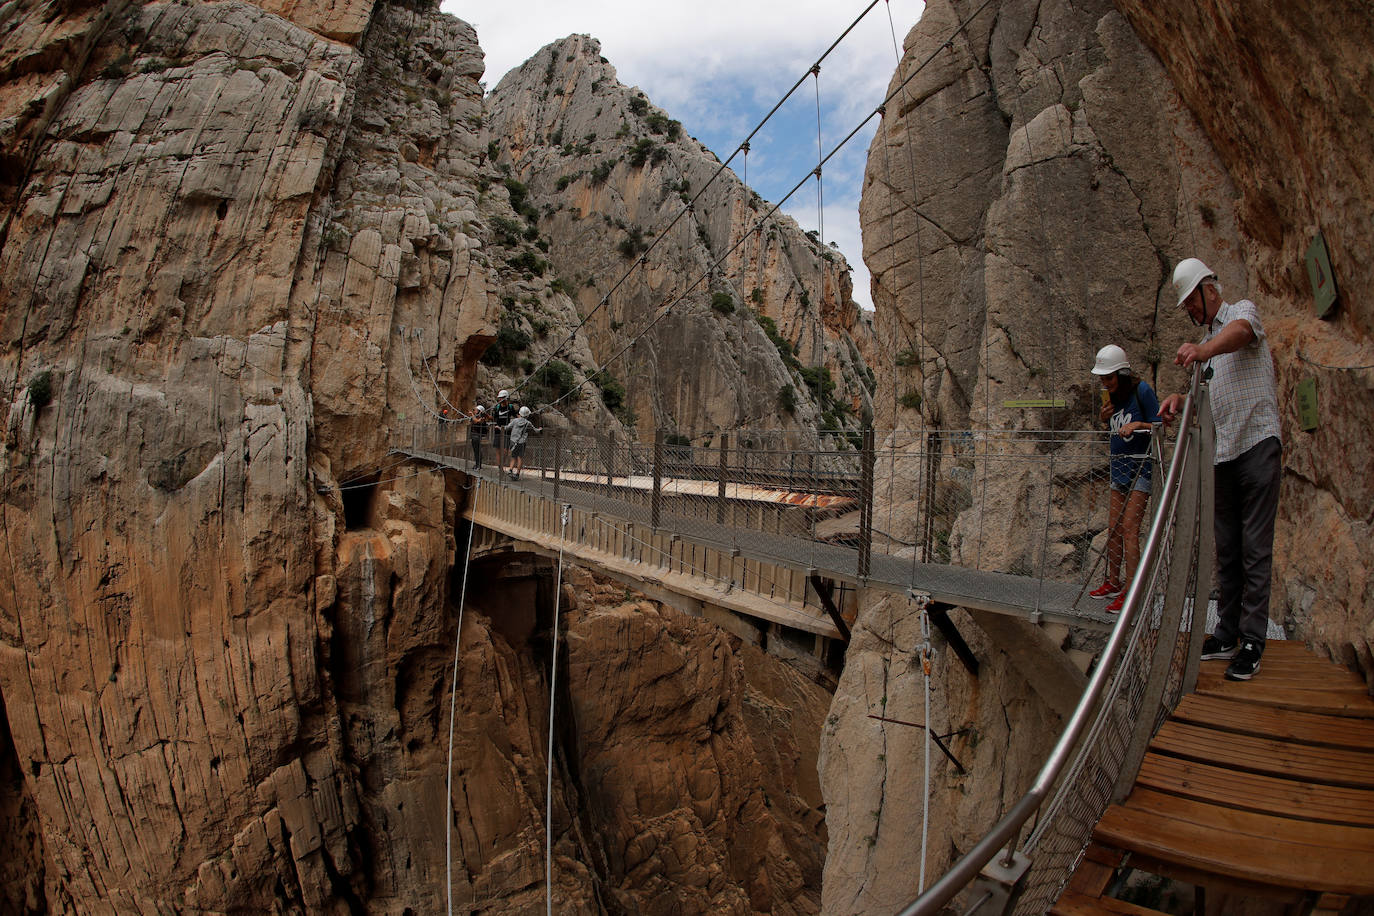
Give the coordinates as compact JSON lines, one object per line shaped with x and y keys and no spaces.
{"x":761,"y":330}
{"x":1025,"y":202}
{"x":242,"y":247}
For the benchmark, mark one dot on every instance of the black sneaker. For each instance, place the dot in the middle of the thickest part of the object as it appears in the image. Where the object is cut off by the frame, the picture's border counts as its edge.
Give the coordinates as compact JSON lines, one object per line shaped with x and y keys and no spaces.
{"x":1246,"y":663}
{"x":1215,"y":648}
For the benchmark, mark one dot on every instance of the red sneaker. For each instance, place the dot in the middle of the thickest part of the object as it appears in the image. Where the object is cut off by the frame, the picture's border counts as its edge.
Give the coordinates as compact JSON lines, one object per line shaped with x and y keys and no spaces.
{"x":1115,"y":606}
{"x":1107,"y":589}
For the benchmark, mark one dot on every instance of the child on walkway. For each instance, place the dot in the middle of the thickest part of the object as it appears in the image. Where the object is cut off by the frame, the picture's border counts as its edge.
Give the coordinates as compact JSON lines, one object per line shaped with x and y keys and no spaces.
{"x":519,"y":432}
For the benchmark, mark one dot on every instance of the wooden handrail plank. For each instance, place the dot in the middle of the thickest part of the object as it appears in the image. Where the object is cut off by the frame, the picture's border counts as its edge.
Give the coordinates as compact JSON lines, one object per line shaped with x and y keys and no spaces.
{"x":1251,"y":719}
{"x":1285,"y":759}
{"x":1226,"y":819}
{"x":1264,"y":860}
{"x":1254,"y":792}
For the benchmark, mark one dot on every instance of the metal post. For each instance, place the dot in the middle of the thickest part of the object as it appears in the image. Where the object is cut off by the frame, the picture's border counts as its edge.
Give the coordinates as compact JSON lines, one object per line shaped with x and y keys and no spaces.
{"x":720,"y":487}
{"x":557,"y":460}
{"x":1205,"y":437}
{"x":866,"y":505}
{"x":656,"y":504}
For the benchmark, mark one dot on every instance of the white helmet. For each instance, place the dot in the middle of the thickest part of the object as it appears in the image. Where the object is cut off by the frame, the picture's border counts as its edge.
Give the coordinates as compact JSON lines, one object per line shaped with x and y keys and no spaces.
{"x":503,"y":393}
{"x":1188,"y":274}
{"x":524,"y":411}
{"x":1110,"y":358}
{"x":481,"y":409}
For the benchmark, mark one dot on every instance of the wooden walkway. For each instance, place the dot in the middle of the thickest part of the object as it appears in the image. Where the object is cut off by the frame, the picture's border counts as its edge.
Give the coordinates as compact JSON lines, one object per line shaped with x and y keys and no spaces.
{"x":1262,"y":788}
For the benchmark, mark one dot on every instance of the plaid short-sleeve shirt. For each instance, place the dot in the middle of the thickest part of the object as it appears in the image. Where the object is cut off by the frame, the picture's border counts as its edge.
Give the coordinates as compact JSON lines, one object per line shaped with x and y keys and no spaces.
{"x":1245,"y":403}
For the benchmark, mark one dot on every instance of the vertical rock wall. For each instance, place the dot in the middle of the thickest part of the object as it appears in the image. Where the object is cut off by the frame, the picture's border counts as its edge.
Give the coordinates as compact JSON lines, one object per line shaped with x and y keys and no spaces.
{"x":198,"y":348}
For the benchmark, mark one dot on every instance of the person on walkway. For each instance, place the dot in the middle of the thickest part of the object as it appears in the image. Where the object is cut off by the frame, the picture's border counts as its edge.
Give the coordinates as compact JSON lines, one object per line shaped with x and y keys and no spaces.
{"x":1130,"y":408}
{"x":501,"y":415}
{"x":1248,"y":464}
{"x":519,"y":432}
{"x":477,"y":433}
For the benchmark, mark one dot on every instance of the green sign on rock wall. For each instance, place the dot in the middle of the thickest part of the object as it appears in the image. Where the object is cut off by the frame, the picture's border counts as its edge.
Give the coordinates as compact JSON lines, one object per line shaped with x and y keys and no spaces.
{"x":1323,"y":280}
{"x":1307,"y":403}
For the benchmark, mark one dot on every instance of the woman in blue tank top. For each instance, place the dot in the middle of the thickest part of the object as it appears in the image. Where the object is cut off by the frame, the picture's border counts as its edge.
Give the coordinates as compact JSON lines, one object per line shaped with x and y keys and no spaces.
{"x":1130,"y":408}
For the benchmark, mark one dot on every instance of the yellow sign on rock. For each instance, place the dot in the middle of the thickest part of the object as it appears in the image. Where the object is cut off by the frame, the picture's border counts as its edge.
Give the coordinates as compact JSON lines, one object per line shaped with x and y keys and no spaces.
{"x":1036,"y":402}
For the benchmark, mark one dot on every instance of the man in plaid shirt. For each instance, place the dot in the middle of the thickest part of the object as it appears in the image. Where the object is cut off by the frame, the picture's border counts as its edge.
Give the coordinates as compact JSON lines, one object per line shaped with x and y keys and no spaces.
{"x":1248,"y":464}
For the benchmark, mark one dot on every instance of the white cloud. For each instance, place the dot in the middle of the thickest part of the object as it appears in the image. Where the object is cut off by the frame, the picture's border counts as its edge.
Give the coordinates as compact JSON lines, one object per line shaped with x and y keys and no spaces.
{"x":718,"y":66}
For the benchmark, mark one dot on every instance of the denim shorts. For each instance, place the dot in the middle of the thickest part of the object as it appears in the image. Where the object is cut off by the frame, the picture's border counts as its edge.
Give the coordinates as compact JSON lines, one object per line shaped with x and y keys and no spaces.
{"x":1132,"y":472}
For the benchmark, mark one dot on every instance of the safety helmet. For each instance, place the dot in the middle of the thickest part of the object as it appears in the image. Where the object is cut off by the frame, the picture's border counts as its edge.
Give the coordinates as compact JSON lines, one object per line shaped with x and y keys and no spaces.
{"x":1110,"y":358}
{"x":524,"y":411}
{"x":502,"y":394}
{"x":481,"y":409}
{"x":1187,"y":275}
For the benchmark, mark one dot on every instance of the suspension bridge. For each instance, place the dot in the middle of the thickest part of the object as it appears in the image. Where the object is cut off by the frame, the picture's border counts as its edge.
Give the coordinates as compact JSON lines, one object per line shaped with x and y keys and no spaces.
{"x":752,"y":527}
{"x":745,"y":525}
{"x":763,"y":532}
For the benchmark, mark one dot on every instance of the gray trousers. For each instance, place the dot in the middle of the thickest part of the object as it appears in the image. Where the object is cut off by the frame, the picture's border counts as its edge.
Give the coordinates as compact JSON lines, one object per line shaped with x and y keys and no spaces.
{"x":1247,"y":500}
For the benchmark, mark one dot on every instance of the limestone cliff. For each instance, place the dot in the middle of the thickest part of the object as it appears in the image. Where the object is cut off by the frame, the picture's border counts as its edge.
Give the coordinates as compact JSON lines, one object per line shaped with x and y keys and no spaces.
{"x":762,"y":330}
{"x":242,"y":247}
{"x":1025,"y":200}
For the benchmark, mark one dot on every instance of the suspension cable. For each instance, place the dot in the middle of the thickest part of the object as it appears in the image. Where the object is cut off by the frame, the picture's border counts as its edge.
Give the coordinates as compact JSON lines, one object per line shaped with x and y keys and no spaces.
{"x":453,"y":708}
{"x":553,"y":683}
{"x":816,"y":345}
{"x":925,"y":792}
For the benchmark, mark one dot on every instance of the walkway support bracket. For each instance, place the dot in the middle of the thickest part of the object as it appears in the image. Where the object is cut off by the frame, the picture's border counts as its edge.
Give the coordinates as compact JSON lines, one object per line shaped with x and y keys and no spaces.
{"x":1000,"y":883}
{"x":824,"y":591}
{"x":939,"y":615}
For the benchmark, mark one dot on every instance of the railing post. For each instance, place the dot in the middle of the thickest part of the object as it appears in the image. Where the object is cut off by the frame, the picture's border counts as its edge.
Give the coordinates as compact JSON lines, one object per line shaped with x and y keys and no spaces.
{"x":932,"y":467}
{"x":866,"y":505}
{"x":557,"y":460}
{"x":720,"y":486}
{"x":656,"y":504}
{"x":1205,"y":437}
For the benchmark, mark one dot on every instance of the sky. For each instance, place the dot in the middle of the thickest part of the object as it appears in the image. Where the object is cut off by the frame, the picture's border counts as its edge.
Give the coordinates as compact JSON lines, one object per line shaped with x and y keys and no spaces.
{"x":719,"y":66}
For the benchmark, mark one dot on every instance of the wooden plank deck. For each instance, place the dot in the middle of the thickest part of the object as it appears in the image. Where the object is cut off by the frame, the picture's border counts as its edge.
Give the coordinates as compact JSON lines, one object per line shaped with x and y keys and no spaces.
{"x":1262,"y":788}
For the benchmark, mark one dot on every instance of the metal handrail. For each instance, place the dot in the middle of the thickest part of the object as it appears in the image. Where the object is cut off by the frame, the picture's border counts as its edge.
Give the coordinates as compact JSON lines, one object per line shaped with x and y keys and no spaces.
{"x":1004,"y":832}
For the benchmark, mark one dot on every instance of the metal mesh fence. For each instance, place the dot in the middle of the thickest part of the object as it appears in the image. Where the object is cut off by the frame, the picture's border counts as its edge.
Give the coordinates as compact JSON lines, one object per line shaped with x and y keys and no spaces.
{"x":1032,"y":504}
{"x":1026,"y":503}
{"x":1142,"y":673}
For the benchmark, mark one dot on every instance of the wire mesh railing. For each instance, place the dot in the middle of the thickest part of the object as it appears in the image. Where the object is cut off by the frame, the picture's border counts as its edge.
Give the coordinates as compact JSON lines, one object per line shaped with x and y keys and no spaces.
{"x":1032,"y":504}
{"x":1148,"y":663}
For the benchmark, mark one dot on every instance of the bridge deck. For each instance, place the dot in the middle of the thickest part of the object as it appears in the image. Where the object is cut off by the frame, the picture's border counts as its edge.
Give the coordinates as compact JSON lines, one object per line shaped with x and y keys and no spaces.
{"x":1002,"y":593}
{"x":1263,"y":787}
